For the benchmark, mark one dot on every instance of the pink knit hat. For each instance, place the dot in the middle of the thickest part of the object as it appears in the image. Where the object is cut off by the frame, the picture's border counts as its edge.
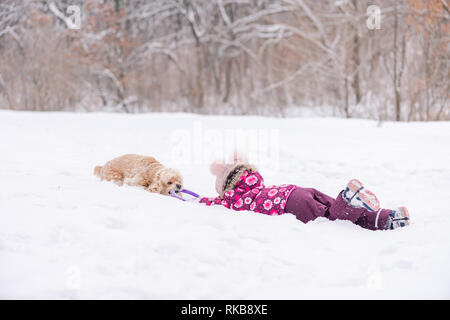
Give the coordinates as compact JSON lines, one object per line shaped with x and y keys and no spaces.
{"x":222,"y":170}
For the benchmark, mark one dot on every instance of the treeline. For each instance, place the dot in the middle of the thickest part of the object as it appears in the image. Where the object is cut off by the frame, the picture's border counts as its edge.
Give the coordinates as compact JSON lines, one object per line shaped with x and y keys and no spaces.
{"x":228,"y":57}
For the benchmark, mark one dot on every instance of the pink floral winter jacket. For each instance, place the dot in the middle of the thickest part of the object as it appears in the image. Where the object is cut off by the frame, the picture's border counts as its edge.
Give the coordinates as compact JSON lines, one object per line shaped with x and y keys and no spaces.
{"x":250,"y":193}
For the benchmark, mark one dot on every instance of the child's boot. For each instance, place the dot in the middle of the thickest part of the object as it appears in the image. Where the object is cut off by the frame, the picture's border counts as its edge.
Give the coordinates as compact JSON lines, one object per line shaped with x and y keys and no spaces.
{"x":398,"y":218}
{"x":356,"y":195}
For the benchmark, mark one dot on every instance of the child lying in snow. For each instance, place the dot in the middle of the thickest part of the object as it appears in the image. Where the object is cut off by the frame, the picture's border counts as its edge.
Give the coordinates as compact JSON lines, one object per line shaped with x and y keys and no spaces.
{"x":241,"y":187}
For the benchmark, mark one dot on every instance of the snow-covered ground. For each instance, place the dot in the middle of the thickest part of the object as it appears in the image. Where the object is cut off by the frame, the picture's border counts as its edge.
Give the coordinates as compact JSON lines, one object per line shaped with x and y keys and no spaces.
{"x":66,"y":235}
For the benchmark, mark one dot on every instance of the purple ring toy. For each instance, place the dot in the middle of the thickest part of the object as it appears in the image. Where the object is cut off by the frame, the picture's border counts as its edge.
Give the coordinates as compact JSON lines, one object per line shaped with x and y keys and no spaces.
{"x":173,"y":194}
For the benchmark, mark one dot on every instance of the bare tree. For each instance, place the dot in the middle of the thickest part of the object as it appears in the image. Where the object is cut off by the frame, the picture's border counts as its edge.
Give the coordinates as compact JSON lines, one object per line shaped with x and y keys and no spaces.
{"x":227,"y":56}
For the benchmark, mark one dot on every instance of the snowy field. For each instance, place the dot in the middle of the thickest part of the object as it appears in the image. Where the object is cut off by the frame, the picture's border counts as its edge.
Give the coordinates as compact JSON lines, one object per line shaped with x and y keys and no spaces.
{"x":66,"y":235}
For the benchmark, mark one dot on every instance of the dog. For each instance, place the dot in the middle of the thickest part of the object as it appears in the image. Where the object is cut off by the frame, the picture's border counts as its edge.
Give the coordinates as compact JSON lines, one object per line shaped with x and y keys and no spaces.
{"x":142,"y":171}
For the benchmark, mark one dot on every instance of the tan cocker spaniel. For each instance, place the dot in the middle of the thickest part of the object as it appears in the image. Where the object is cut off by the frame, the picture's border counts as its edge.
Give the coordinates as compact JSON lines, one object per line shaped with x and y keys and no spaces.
{"x":144,"y":171}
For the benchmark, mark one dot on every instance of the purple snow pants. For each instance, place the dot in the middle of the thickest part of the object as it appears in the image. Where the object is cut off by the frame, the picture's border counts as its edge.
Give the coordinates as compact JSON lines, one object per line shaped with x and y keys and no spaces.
{"x":307,"y":204}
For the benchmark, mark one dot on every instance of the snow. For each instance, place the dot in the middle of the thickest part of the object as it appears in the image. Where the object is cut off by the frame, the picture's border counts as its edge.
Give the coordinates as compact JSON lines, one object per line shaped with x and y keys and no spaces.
{"x":64,"y":234}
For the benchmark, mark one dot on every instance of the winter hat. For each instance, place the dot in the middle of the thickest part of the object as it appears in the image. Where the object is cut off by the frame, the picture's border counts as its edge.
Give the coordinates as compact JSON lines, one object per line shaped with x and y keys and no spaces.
{"x":228,"y":174}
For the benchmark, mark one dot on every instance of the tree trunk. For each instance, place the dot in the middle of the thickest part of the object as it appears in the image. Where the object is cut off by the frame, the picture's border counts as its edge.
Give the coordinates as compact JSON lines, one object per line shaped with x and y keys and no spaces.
{"x":227,"y":80}
{"x":346,"y":107}
{"x":395,"y":76}
{"x":356,"y":60}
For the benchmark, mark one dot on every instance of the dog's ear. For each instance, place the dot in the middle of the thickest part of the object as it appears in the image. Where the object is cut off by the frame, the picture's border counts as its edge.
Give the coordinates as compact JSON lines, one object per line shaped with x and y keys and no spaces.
{"x":155,"y":187}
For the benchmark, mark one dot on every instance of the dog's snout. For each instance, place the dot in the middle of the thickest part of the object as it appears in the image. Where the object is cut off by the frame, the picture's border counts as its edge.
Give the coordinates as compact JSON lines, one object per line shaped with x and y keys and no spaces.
{"x":178,"y":186}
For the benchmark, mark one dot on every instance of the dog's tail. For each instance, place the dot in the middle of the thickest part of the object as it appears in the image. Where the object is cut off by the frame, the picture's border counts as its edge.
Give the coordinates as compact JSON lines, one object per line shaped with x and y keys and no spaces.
{"x":98,"y":171}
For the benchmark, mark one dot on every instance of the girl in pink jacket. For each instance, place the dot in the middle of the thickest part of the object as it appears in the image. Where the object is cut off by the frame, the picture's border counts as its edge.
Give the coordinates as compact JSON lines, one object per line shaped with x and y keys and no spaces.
{"x":241,"y":187}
